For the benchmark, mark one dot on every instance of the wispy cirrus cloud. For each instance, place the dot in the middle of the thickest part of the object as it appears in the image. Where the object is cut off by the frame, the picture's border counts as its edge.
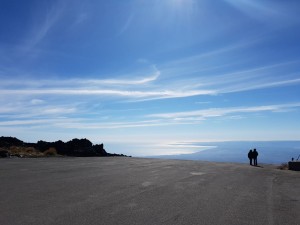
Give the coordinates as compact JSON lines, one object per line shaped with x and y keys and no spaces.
{"x":233,"y":80}
{"x":256,"y":86}
{"x":46,"y":22}
{"x":140,"y":79}
{"x":160,"y":84}
{"x":260,"y":10}
{"x":133,"y":88}
{"x":32,"y":122}
{"x":162,"y":119}
{"x":129,"y":81}
{"x":37,"y":108}
{"x":146,"y":95}
{"x":220,"y":112}
{"x":158,"y":92}
{"x":37,"y":102}
{"x":126,"y":24}
{"x":85,"y":124}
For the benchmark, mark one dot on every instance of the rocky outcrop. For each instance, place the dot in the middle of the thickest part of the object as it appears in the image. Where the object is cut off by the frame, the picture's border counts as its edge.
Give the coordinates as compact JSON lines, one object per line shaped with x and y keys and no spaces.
{"x":4,"y":154}
{"x":295,"y":165}
{"x":74,"y":147}
{"x":10,"y":141}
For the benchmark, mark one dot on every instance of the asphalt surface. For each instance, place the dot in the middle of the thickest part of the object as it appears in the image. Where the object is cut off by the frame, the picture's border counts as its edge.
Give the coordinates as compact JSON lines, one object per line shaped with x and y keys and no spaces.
{"x":87,"y":191}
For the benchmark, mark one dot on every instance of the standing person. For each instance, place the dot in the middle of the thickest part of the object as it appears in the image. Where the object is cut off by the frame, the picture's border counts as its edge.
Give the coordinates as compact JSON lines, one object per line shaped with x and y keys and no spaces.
{"x":255,"y":154}
{"x":250,"y":156}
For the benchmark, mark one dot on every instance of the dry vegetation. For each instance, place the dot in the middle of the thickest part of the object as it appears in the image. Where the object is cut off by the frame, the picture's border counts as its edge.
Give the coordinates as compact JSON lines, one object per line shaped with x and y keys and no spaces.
{"x":283,"y":166}
{"x":30,"y":152}
{"x":50,"y":152}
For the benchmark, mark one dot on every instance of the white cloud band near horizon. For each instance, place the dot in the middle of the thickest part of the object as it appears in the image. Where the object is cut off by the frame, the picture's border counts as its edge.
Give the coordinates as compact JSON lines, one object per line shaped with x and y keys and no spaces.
{"x":163,"y":119}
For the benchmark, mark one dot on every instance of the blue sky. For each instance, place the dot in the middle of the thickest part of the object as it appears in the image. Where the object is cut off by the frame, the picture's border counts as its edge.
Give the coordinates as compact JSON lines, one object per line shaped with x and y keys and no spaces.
{"x":150,"y":77}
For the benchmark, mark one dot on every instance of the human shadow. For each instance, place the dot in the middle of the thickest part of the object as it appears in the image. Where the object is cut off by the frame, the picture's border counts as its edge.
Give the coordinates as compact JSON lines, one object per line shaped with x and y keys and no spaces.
{"x":258,"y":166}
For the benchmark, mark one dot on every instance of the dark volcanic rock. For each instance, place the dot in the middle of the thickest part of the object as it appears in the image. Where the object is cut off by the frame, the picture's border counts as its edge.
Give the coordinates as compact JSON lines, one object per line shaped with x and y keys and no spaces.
{"x":10,"y":141}
{"x":4,"y":154}
{"x":75,"y":147}
{"x":294,"y":166}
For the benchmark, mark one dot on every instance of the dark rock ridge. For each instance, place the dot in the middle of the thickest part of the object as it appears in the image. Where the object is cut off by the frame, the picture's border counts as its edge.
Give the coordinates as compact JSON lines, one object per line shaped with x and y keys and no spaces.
{"x":74,"y":147}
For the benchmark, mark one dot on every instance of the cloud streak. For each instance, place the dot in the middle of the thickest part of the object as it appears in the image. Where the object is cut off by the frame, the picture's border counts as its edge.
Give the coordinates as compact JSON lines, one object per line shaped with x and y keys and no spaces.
{"x":122,"y":93}
{"x":220,"y":112}
{"x":214,"y":86}
{"x":84,"y":124}
{"x":126,"y":25}
{"x":157,"y":86}
{"x":142,"y":81}
{"x":56,"y":118}
{"x":52,"y":15}
{"x":259,"y":10}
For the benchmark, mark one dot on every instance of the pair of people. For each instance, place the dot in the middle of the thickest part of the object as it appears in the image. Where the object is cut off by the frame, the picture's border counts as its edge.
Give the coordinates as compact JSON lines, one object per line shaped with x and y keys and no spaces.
{"x":252,"y":155}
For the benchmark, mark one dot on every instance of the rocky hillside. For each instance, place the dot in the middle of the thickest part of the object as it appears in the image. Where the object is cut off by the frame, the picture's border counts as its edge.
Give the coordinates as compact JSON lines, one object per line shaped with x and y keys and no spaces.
{"x":11,"y":146}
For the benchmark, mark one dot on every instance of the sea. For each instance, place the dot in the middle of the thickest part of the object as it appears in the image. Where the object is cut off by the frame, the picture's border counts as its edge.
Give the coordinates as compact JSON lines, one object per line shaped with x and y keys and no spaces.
{"x":270,"y":152}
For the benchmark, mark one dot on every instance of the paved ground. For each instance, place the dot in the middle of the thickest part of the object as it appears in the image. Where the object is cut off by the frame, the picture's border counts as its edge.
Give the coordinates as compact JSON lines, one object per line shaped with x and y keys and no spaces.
{"x":87,"y":191}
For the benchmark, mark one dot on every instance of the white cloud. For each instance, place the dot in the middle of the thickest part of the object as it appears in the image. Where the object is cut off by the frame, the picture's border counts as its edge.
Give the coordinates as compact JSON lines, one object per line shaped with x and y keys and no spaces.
{"x":37,"y":102}
{"x":44,"y":122}
{"x":219,"y":112}
{"x":84,"y":124}
{"x":127,"y":24}
{"x":262,"y":85}
{"x":51,"y":16}
{"x":139,"y":78}
{"x":268,"y":76}
{"x":159,"y":85}
{"x":144,"y":95}
{"x":128,"y":81}
{"x":260,"y":10}
{"x":37,"y":108}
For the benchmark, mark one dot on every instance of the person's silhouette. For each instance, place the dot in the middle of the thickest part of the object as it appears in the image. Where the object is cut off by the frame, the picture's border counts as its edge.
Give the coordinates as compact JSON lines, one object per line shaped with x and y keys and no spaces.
{"x":250,"y":156}
{"x":255,"y":154}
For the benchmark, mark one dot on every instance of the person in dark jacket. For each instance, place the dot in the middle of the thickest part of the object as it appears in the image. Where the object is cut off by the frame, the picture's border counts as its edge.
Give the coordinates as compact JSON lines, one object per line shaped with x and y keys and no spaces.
{"x":255,"y":154}
{"x":250,"y":156}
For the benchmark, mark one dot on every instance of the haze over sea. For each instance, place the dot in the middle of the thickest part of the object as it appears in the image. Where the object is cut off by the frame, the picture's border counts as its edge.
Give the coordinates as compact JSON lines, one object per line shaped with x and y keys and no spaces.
{"x":270,"y":152}
{"x":159,"y":77}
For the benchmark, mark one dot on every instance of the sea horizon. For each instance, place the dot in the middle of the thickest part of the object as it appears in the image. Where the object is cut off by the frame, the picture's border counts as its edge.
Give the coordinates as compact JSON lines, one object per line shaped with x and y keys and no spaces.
{"x":270,"y":152}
